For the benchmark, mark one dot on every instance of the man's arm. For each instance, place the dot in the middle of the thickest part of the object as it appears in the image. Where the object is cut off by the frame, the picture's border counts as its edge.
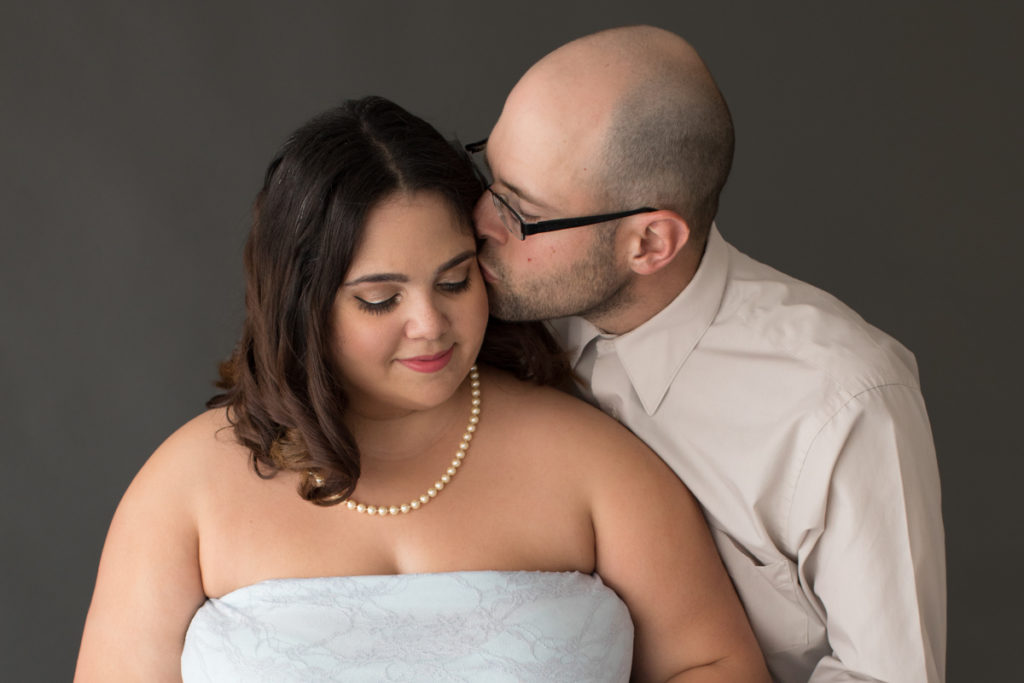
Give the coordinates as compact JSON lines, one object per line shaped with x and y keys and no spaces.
{"x":877,"y":568}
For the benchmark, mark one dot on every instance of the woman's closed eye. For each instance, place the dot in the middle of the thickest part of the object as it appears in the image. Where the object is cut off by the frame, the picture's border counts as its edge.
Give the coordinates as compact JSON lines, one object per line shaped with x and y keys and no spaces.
{"x":378,"y":307}
{"x":454,"y":287}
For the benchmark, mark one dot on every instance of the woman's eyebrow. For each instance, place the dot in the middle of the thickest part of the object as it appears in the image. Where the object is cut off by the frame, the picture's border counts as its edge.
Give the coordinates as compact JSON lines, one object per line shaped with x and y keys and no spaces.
{"x":455,"y":260}
{"x":399,"y":277}
{"x":378,"y":277}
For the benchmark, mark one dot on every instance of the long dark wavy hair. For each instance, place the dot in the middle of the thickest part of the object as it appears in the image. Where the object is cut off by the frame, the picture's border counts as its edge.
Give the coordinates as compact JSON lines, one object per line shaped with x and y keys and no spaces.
{"x":280,"y":387}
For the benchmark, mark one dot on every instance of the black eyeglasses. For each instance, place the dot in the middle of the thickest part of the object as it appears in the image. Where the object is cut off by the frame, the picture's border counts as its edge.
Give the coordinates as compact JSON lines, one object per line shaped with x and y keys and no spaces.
{"x":519,"y":228}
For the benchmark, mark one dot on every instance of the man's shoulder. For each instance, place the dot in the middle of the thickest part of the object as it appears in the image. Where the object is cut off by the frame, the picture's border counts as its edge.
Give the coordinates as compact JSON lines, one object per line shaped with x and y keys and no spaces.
{"x":791,"y":319}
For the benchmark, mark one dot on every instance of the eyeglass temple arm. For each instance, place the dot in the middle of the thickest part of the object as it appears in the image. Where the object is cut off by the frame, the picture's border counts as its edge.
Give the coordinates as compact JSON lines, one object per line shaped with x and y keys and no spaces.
{"x":563,"y":223}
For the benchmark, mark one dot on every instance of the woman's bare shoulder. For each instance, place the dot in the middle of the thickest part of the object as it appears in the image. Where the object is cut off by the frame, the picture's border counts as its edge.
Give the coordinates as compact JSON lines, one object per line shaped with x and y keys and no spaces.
{"x":208,"y":431}
{"x":554,"y":417}
{"x":149,"y":582}
{"x":191,"y":456}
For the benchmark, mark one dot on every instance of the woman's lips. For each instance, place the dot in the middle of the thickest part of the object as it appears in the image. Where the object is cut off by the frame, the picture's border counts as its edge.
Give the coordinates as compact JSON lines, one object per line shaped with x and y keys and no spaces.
{"x":428,"y":363}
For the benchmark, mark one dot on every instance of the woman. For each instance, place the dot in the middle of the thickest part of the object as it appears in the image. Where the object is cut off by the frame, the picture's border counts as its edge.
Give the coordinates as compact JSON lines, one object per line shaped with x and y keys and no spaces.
{"x":362,"y":502}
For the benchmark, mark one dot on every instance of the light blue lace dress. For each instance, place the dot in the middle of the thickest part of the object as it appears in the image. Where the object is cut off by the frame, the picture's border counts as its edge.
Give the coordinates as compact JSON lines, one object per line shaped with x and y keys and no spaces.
{"x":461,"y":626}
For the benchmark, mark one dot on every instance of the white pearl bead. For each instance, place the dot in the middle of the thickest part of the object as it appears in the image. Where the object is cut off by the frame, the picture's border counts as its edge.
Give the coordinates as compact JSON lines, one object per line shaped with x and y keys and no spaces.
{"x":417,"y":503}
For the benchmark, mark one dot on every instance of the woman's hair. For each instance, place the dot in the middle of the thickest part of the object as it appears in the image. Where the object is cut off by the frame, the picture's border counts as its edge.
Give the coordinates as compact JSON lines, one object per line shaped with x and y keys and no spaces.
{"x":280,"y":387}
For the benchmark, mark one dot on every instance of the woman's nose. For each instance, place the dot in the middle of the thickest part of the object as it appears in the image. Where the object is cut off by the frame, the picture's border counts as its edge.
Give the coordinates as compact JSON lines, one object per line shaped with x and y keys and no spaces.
{"x":427,"y":321}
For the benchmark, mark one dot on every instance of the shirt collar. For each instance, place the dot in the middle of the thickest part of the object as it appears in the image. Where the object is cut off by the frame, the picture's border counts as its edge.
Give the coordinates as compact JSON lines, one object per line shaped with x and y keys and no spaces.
{"x":653,"y":353}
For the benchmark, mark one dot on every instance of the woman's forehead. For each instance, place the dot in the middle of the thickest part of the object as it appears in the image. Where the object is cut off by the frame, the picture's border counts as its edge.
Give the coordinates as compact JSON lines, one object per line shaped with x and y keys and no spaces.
{"x":409,"y":233}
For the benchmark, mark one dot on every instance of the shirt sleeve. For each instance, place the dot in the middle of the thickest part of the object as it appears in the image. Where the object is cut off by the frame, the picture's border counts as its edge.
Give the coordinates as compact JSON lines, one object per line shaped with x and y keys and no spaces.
{"x":871,"y":555}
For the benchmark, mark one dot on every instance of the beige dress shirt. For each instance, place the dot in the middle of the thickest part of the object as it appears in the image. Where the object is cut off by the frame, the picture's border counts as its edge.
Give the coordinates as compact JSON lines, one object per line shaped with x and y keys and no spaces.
{"x":801,"y":430}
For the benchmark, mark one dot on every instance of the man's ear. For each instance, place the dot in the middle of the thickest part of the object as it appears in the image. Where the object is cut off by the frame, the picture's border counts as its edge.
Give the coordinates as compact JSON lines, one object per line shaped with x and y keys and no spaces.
{"x":655,"y":239}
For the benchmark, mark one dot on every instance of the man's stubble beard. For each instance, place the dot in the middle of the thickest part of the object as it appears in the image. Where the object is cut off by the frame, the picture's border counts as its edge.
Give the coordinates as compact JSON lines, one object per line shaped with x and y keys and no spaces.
{"x":593,"y":287}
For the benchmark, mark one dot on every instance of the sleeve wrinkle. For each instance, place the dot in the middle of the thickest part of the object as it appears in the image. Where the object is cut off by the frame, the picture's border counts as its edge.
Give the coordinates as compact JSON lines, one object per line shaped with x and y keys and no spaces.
{"x":788,"y":523}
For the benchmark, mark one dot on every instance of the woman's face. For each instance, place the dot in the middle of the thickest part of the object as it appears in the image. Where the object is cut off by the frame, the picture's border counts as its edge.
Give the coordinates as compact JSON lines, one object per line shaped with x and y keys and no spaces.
{"x":410,"y":314}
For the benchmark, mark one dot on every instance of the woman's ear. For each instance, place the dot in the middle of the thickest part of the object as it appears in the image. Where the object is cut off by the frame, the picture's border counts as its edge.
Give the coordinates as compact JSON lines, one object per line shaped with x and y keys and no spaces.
{"x":655,"y":239}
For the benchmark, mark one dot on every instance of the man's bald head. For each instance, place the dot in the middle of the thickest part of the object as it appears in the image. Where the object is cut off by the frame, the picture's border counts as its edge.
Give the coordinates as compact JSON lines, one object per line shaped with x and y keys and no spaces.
{"x":639,"y":115}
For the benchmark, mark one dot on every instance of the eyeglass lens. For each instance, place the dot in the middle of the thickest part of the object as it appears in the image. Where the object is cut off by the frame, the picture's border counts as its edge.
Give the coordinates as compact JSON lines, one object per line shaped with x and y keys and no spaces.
{"x":507,"y":217}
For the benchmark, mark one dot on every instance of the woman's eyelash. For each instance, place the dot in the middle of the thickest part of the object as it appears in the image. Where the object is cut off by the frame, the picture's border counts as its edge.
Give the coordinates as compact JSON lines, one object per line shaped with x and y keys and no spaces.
{"x":459,"y":286}
{"x":381,"y":307}
{"x":378,"y":307}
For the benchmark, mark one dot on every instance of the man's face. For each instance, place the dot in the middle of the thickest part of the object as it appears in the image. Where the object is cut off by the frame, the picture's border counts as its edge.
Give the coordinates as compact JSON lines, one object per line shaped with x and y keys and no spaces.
{"x":544,"y":172}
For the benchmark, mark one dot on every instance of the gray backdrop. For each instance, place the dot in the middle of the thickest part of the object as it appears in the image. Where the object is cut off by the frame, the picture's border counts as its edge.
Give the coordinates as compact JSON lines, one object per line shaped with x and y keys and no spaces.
{"x":879,"y":156}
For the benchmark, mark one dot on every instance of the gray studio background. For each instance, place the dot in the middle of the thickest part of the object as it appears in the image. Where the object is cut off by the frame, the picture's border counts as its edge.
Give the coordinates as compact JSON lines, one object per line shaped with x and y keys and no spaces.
{"x":879,"y":157}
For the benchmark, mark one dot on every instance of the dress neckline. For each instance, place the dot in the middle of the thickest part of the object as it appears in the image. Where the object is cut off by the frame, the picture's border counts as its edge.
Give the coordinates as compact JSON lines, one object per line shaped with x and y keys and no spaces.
{"x":411,"y":576}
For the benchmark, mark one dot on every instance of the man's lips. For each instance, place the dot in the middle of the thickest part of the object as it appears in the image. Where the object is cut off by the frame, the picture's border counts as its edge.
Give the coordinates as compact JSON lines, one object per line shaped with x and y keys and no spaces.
{"x":485,"y":271}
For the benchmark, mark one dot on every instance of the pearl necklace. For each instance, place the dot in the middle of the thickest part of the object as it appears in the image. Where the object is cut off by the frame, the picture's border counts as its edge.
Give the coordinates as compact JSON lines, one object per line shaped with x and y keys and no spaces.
{"x":445,"y":479}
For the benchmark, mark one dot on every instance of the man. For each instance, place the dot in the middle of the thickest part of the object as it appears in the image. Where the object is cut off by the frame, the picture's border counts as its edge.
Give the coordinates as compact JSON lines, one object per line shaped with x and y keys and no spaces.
{"x":799,"y":427}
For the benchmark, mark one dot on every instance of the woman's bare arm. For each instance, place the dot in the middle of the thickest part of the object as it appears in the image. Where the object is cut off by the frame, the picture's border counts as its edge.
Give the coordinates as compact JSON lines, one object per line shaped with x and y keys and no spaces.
{"x":149,"y":584}
{"x":654,"y":549}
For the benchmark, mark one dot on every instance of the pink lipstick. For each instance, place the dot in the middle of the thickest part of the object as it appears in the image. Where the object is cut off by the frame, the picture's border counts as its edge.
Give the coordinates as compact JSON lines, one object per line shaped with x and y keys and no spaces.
{"x":428,"y":363}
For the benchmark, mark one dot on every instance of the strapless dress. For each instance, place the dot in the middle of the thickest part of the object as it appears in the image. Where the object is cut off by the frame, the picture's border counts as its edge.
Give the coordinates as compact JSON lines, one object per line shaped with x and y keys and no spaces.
{"x":459,"y":626}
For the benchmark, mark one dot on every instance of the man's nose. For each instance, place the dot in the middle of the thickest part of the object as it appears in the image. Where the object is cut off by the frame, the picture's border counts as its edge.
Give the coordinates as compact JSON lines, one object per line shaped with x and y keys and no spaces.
{"x":485,"y":218}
